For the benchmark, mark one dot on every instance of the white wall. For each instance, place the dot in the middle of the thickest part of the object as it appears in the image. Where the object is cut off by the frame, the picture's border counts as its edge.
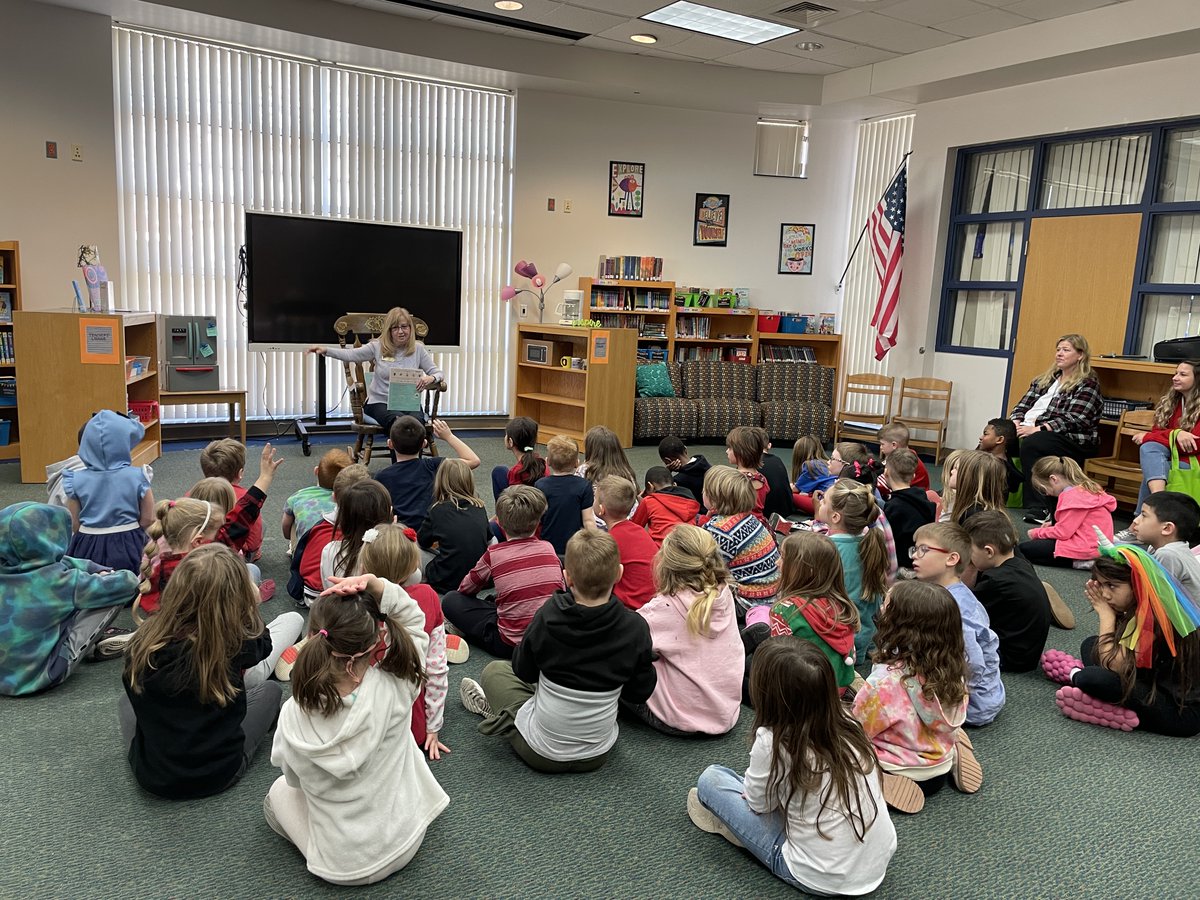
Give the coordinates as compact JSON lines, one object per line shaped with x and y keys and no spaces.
{"x":564,"y":145}
{"x":1144,"y":92}
{"x":56,"y":73}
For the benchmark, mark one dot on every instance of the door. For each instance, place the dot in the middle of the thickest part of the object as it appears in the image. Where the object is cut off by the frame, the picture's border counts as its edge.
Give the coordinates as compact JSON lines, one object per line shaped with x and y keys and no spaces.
{"x":1078,"y":279}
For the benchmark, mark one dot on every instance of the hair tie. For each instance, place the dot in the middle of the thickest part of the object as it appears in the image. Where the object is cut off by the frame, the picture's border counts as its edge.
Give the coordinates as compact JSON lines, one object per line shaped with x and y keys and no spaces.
{"x":170,"y":504}
{"x":369,"y":536}
{"x":323,"y":633}
{"x":528,"y":449}
{"x":410,"y":534}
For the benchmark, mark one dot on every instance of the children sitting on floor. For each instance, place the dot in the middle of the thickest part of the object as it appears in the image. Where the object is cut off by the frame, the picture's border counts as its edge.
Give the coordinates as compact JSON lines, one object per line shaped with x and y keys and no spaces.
{"x":583,"y":652}
{"x":687,"y":470}
{"x":226,"y":458}
{"x":309,"y":505}
{"x":524,"y":571}
{"x":810,"y":472}
{"x":941,"y":553}
{"x":364,"y":505}
{"x":1166,"y":525}
{"x":779,"y":486}
{"x":409,"y":479}
{"x":304,"y":583}
{"x":1083,"y":506}
{"x":744,"y":447}
{"x":999,"y":438}
{"x":54,"y":610}
{"x":614,"y":500}
{"x":907,"y":507}
{"x":520,"y":439}
{"x":664,"y":504}
{"x":455,"y":533}
{"x":894,"y":436}
{"x":569,"y":497}
{"x":977,"y":479}
{"x":747,"y":547}
{"x":604,"y":456}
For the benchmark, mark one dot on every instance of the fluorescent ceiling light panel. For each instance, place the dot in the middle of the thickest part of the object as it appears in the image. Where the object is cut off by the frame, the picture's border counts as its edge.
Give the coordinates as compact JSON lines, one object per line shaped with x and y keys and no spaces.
{"x":718,"y":23}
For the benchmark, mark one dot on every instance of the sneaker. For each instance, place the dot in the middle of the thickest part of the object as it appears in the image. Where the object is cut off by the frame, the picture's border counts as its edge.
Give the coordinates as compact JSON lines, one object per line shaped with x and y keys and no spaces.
{"x":266,"y":590}
{"x":287,"y":661}
{"x":1058,"y":666}
{"x":777,"y":524}
{"x":452,"y":629}
{"x":1125,"y":536}
{"x":1060,"y":613}
{"x":965,"y":774}
{"x":1037,"y":517}
{"x":902,"y":794}
{"x":1077,"y":705}
{"x":473,"y":698}
{"x":457,"y":650}
{"x":706,"y":820}
{"x":1084,"y":564}
{"x":753,"y":635}
{"x":112,"y":643}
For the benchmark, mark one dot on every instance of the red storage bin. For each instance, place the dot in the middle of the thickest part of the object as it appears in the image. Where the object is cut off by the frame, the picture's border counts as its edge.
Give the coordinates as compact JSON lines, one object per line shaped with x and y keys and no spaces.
{"x":146,"y":411}
{"x":768,"y":323}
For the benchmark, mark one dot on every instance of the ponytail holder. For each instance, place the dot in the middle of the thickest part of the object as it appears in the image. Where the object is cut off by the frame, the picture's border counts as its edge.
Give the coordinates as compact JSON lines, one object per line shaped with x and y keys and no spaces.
{"x":170,"y":504}
{"x":410,"y":534}
{"x":528,"y":449}
{"x":369,"y":536}
{"x":323,"y":633}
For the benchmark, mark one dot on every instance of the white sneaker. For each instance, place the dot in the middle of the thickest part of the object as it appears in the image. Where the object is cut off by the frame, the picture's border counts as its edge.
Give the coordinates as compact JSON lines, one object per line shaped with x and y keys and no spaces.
{"x":473,"y":698}
{"x":1124,"y":536}
{"x":1082,"y":564}
{"x":706,"y":820}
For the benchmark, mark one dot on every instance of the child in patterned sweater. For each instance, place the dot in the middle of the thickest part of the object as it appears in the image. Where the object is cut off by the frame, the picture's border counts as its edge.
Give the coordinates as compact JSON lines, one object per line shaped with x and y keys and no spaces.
{"x":747,"y":547}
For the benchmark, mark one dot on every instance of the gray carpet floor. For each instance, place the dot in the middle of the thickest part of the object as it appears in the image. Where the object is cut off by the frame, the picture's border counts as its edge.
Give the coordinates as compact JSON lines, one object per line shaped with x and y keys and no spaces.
{"x":1066,"y":810}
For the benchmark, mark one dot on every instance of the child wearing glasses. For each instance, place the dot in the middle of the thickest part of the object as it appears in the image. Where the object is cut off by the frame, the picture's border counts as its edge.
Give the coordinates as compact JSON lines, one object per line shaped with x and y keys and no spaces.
{"x":940,"y":553}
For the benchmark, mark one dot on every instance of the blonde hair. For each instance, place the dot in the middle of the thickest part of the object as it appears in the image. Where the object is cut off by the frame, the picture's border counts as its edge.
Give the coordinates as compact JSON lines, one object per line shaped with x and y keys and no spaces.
{"x":616,"y":495}
{"x":1189,"y":403}
{"x":217,"y":491}
{"x":211,"y":604}
{"x":453,"y":482}
{"x":1082,"y":372}
{"x":894,"y":431}
{"x":690,"y":560}
{"x":397,"y":315}
{"x":811,"y":567}
{"x":604,"y":456}
{"x":952,"y":459}
{"x":807,"y":454}
{"x":224,"y":458}
{"x":562,"y":453}
{"x":389,"y":554}
{"x":352,"y":474}
{"x":855,"y":502}
{"x":982,"y":481}
{"x":728,"y":491}
{"x":593,"y":562}
{"x":1066,"y":469}
{"x":179,"y":522}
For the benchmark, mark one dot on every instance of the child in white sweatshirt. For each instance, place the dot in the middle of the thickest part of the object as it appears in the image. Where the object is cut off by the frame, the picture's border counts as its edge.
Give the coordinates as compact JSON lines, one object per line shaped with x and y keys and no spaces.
{"x":356,"y":794}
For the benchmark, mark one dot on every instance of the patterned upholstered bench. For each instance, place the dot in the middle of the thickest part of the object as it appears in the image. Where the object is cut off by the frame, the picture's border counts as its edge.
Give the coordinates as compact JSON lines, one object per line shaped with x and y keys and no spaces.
{"x":656,"y":417}
{"x":724,"y":393}
{"x":795,"y":398}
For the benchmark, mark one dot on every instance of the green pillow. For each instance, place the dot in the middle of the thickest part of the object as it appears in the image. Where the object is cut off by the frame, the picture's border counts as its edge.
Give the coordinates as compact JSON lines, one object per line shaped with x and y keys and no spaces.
{"x":653,"y":380}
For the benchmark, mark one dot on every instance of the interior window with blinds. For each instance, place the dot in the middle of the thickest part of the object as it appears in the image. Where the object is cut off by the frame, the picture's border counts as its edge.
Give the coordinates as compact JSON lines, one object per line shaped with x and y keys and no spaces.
{"x":1108,"y":171}
{"x":205,"y":132}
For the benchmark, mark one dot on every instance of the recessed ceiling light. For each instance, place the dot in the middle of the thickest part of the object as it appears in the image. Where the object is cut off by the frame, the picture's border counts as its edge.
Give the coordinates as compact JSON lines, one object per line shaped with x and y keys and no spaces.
{"x":509,"y":5}
{"x":719,"y":23}
{"x":809,"y":45}
{"x":643,"y":38}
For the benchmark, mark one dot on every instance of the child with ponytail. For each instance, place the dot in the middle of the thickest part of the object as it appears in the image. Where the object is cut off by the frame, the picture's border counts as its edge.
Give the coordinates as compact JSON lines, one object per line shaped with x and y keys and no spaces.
{"x":1142,"y":670}
{"x":850,"y":511}
{"x":356,"y":795}
{"x":366,"y":504}
{"x":1083,"y":507}
{"x":693,"y":628}
{"x":520,"y":439}
{"x":388,"y":553}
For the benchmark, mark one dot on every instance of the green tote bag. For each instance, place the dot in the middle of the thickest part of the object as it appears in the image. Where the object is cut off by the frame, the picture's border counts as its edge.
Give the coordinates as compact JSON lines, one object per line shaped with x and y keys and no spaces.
{"x":1186,"y":481}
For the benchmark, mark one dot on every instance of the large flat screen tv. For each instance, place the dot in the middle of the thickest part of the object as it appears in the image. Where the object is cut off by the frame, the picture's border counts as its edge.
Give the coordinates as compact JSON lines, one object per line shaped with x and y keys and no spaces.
{"x":304,"y":272}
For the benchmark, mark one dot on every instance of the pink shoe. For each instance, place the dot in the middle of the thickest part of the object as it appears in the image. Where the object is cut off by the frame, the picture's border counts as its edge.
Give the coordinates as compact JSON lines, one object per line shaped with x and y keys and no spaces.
{"x":1057,"y":665}
{"x":1077,"y":705}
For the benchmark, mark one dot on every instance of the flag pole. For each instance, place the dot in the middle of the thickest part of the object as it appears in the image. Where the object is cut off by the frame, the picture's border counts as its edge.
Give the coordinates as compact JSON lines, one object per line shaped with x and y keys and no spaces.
{"x":858,"y":243}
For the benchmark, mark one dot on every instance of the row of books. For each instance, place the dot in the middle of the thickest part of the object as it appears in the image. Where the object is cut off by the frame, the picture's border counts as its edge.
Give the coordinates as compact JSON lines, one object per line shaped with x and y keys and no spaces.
{"x":8,"y":356}
{"x":776,"y":353}
{"x":698,"y":327}
{"x":651,"y":354}
{"x":730,"y":354}
{"x":630,"y":268}
{"x":630,"y":298}
{"x":655,"y":328}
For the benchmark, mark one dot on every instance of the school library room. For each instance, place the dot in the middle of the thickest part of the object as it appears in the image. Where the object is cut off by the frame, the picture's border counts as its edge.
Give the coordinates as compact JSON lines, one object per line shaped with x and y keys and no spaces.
{"x":772,"y":425}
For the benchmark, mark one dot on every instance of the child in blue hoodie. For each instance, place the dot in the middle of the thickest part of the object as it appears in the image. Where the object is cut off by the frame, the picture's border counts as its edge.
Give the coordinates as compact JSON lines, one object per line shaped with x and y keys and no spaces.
{"x":110,"y":500}
{"x":53,"y":610}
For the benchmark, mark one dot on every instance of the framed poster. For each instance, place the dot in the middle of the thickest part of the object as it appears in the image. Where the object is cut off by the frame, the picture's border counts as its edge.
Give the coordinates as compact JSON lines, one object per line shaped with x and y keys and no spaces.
{"x":626,"y":186}
{"x":711,"y":226}
{"x":98,"y":342}
{"x":796,"y":249}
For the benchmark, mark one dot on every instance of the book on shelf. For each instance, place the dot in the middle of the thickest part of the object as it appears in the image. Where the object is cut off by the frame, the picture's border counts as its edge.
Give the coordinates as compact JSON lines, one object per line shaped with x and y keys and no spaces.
{"x":785,"y":353}
{"x":683,"y":354}
{"x":651,"y":354}
{"x":629,"y":268}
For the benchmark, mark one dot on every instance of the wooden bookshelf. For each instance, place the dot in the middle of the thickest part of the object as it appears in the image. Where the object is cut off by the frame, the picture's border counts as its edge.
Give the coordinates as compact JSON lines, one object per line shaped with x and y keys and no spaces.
{"x":570,"y":401}
{"x":647,"y":307}
{"x":10,"y":291}
{"x":827,"y":348}
{"x":50,"y":359}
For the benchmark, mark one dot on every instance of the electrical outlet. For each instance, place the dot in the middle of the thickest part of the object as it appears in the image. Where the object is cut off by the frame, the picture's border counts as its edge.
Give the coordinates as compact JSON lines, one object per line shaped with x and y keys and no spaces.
{"x":76,"y":153}
{"x":567,"y":206}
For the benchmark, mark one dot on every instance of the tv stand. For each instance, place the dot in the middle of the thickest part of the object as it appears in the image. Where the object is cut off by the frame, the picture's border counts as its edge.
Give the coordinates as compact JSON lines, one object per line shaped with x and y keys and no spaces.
{"x":320,"y":424}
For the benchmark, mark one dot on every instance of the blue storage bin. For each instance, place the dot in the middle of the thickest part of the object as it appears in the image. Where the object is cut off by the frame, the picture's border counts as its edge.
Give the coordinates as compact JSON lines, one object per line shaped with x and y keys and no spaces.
{"x":8,"y":391}
{"x":794,"y":324}
{"x":5,"y":426}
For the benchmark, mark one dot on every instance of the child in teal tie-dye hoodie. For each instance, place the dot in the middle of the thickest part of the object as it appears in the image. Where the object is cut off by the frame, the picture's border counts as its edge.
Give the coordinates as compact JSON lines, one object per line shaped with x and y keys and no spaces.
{"x":53,"y":608}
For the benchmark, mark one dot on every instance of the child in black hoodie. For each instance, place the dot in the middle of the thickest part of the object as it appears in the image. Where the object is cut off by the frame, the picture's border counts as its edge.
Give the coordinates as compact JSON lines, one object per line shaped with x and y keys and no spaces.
{"x":907,"y":508}
{"x":583,"y":652}
{"x":688,"y":471}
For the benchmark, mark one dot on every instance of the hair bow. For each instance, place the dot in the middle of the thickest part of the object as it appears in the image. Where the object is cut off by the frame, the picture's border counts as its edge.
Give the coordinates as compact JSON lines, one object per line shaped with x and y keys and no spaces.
{"x":369,"y":535}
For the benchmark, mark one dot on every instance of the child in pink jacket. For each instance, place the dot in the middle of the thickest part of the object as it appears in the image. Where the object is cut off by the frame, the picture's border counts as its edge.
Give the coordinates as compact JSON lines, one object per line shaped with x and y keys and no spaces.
{"x":1071,"y":541}
{"x":698,"y":650}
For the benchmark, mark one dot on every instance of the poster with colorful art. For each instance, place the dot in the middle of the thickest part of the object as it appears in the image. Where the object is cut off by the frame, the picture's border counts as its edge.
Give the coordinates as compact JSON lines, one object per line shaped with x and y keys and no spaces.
{"x":796,"y":249}
{"x":626,"y":185}
{"x":711,"y":226}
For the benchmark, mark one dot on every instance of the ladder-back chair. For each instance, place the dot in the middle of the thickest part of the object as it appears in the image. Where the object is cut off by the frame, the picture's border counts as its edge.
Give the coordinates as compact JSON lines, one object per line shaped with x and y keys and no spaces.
{"x":861,"y":393}
{"x":1120,"y":473}
{"x":929,"y":395}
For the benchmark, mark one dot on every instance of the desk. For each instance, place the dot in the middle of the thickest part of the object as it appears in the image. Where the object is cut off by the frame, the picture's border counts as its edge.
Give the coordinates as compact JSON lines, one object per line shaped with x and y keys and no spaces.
{"x":232,"y":398}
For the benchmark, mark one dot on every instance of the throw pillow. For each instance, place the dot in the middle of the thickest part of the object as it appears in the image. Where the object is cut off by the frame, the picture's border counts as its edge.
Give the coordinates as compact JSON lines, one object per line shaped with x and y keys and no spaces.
{"x":653,"y":380}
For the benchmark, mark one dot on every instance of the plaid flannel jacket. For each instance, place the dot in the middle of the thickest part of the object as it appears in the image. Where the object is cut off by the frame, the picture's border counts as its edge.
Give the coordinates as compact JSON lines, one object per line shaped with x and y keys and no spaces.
{"x":1075,"y":414}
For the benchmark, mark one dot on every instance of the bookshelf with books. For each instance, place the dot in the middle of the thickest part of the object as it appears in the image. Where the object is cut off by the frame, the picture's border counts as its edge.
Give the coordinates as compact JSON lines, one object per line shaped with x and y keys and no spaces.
{"x":644,"y":306}
{"x":10,"y":300}
{"x":715,"y":333}
{"x":823,"y":349}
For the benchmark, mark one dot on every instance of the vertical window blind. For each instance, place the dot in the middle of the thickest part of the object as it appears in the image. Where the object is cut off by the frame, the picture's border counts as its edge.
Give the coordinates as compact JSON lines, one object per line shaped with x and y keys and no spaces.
{"x":206,"y":131}
{"x":881,"y":145}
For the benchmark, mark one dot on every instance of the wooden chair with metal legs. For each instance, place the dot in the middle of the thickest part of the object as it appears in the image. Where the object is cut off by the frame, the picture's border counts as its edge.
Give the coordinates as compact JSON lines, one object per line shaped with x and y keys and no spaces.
{"x":929,"y":395}
{"x":862,"y":395}
{"x":354,"y":330}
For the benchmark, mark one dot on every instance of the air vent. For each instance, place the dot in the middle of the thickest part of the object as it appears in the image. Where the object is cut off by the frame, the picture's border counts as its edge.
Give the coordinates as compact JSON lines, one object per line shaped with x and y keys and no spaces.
{"x":804,"y":14}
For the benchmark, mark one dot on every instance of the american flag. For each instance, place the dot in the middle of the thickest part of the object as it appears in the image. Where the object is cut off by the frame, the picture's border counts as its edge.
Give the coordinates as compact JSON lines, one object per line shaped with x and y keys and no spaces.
{"x":886,"y":229}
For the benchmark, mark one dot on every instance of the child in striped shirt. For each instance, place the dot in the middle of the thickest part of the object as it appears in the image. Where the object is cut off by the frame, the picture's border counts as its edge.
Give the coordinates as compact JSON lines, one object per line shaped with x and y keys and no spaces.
{"x":748,"y":548}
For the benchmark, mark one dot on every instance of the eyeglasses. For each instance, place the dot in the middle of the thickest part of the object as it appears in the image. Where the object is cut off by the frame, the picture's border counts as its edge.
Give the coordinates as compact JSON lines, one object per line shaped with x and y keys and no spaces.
{"x":921,"y":549}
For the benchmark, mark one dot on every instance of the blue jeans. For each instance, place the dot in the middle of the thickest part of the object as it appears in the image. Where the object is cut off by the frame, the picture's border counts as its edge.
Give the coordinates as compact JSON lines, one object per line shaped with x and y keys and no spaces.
{"x":1156,"y":463}
{"x":499,"y":481}
{"x":720,"y":790}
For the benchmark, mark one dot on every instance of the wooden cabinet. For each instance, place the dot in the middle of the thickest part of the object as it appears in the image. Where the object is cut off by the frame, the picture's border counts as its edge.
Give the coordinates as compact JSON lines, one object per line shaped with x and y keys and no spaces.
{"x":64,"y":384}
{"x":570,"y":401}
{"x":10,"y":300}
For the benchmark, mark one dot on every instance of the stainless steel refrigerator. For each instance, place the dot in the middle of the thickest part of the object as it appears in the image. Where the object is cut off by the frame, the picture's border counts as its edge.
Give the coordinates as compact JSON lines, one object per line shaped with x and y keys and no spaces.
{"x":187,"y":347}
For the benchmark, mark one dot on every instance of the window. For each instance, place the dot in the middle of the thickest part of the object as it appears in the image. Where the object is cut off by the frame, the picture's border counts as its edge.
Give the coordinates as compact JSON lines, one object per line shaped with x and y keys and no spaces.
{"x":1108,"y":171}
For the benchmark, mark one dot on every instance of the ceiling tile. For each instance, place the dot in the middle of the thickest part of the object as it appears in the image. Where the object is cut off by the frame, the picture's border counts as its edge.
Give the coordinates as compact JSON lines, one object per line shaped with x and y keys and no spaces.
{"x":757,"y":58}
{"x":1053,"y":9}
{"x":585,"y":20}
{"x":889,"y":34}
{"x":667,"y":37}
{"x":701,"y":46}
{"x":933,"y":12}
{"x":619,"y":7}
{"x":810,"y":67}
{"x":395,"y":9}
{"x":460,"y":22}
{"x":986,"y":22}
{"x":532,"y":12}
{"x":833,"y":51}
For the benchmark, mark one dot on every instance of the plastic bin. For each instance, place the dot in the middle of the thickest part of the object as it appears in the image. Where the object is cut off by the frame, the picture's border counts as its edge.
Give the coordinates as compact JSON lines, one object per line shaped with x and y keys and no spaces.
{"x":794,"y":324}
{"x":768,"y":323}
{"x":145,"y":410}
{"x":5,"y":431}
{"x":8,"y":391}
{"x":136,"y":365}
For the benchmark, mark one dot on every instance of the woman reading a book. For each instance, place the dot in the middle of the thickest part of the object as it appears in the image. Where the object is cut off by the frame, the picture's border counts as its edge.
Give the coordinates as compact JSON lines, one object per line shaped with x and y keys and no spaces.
{"x":396,"y":347}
